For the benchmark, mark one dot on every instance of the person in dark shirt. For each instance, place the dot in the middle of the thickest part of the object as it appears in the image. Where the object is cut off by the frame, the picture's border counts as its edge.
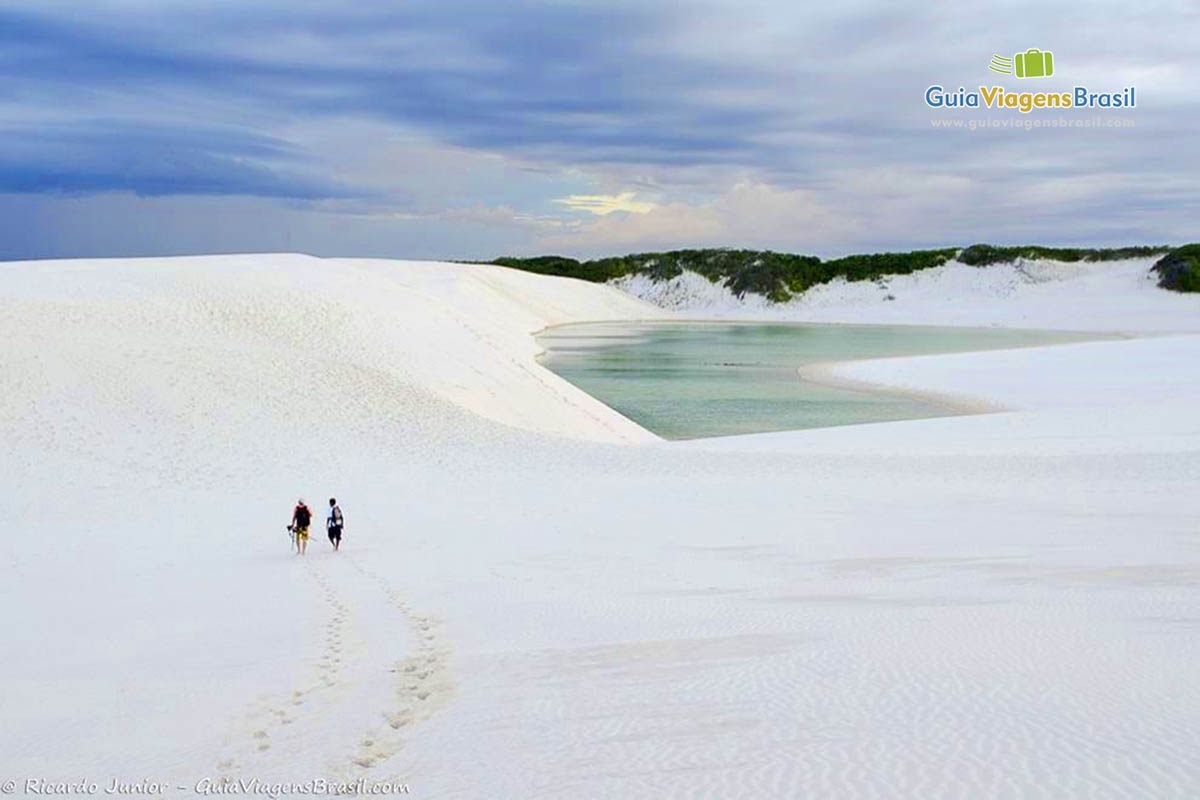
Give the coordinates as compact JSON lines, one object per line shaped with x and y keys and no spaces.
{"x":333,"y":525}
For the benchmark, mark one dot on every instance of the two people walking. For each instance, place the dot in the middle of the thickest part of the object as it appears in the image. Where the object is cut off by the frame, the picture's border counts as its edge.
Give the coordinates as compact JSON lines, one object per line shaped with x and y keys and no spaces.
{"x":302,"y":518}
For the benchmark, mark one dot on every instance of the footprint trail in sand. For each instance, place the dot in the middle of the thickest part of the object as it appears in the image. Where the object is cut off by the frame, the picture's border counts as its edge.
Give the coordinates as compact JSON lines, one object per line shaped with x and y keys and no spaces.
{"x":378,"y":671}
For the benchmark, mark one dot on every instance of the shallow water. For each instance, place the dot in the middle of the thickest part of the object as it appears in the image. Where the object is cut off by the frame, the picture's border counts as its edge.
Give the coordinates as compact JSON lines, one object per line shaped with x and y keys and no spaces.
{"x":686,"y":380}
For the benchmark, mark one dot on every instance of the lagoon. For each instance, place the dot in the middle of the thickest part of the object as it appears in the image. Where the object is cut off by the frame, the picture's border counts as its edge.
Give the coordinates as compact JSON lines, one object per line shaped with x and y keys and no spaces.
{"x":687,"y":380}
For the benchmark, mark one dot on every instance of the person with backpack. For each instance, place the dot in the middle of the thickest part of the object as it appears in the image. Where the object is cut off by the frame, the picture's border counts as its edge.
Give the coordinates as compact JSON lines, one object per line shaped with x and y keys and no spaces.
{"x":301,"y":518}
{"x":333,"y":525}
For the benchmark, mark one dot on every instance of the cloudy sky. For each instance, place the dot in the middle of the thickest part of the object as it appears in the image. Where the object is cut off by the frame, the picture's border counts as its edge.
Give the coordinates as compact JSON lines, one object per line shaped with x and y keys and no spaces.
{"x":473,"y":128}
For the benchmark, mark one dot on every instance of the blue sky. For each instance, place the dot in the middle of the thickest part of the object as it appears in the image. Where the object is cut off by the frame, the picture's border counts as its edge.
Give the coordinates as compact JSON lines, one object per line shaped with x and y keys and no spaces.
{"x":464,"y":129}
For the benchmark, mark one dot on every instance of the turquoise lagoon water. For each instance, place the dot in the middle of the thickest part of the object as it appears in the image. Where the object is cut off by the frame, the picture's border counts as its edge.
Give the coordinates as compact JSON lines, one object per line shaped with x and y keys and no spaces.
{"x":686,"y":380}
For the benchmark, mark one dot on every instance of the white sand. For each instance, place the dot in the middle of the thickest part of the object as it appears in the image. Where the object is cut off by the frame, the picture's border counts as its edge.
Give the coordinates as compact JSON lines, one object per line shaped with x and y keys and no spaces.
{"x":1051,"y":295}
{"x":1003,"y":605}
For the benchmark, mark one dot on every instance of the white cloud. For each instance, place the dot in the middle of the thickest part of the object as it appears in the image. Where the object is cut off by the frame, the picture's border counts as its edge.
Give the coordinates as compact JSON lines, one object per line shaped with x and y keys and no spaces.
{"x":604,"y":204}
{"x":750,"y":214}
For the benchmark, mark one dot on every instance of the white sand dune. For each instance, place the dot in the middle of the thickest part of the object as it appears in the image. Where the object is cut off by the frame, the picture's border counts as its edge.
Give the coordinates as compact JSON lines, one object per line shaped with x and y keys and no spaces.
{"x":1051,"y":295}
{"x":538,"y":598}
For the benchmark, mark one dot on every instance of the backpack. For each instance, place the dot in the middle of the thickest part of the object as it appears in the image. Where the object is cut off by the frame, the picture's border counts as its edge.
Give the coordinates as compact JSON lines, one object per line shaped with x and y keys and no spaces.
{"x":337,"y":516}
{"x":303,"y":516}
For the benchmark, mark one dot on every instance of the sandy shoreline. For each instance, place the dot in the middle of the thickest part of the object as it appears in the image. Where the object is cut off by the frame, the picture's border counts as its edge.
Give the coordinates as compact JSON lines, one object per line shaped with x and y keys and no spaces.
{"x":834,"y":374}
{"x":828,"y":375}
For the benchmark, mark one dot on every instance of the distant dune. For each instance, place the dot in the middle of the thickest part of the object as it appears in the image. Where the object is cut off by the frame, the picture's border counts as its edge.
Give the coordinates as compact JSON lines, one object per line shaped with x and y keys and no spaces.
{"x":1085,"y":295}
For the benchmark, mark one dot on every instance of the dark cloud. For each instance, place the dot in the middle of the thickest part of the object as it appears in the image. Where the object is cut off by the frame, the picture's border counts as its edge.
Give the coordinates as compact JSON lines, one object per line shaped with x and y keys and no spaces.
{"x":152,"y":160}
{"x":579,"y":84}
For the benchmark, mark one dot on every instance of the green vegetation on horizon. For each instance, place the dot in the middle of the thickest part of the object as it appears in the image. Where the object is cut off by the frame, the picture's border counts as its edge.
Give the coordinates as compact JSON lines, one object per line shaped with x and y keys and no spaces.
{"x":1179,"y":270}
{"x":979,"y":255}
{"x":779,"y":276}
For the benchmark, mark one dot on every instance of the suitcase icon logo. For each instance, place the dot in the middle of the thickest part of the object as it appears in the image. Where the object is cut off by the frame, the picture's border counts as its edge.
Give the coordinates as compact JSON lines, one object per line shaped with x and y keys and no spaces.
{"x":1033,"y":63}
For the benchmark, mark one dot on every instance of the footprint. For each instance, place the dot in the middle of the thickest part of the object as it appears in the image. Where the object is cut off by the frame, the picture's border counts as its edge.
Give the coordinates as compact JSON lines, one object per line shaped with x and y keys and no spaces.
{"x":418,"y":671}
